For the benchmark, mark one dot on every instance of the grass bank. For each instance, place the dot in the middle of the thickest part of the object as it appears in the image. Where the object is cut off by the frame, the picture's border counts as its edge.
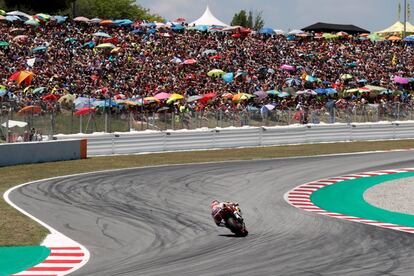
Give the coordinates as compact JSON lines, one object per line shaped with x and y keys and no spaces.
{"x":17,"y":230}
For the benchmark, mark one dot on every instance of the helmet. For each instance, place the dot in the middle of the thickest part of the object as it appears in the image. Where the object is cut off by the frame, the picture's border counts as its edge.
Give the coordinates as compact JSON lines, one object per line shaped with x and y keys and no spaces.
{"x":214,"y":202}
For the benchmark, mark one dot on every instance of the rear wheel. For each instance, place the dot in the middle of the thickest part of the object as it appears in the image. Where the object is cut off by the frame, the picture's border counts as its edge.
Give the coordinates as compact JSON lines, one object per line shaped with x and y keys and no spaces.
{"x":234,"y":226}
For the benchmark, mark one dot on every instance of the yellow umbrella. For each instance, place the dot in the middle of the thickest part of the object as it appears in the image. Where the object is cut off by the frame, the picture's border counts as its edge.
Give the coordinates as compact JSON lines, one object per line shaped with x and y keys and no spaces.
{"x":150,"y":100}
{"x":174,"y":97}
{"x":69,"y":98}
{"x":106,"y":45}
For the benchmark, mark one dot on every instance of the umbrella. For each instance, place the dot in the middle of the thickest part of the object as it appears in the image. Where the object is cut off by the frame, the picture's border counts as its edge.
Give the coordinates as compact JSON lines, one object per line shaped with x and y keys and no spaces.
{"x":267,"y":31}
{"x":409,"y":38}
{"x":164,"y":108}
{"x":30,"y":109}
{"x":19,"y":13}
{"x":330,"y":91}
{"x":227,"y":96}
{"x":3,"y":90}
{"x":401,"y":80}
{"x":69,"y":98}
{"x":375,"y":88}
{"x":13,"y":123}
{"x":84,"y":111}
{"x":180,"y":19}
{"x":260,"y":94}
{"x":288,"y":67}
{"x":216,"y":73}
{"x":39,"y":90}
{"x":32,"y":22}
{"x":209,"y":96}
{"x":228,"y":77}
{"x":50,"y":97}
{"x":89,"y":44}
{"x":4,"y":44}
{"x":189,"y":61}
{"x":83,"y":102}
{"x":174,"y":97}
{"x":194,"y":98}
{"x":95,"y":20}
{"x":20,"y":38}
{"x":272,"y":92}
{"x":106,"y":45}
{"x":241,"y":96}
{"x":102,"y":34}
{"x":394,"y":38}
{"x":2,"y":17}
{"x":293,"y":82}
{"x":59,"y":18}
{"x":21,"y":76}
{"x":283,"y":94}
{"x":306,"y":92}
{"x":2,"y":12}
{"x":270,"y":106}
{"x":104,"y":103}
{"x":81,"y":19}
{"x":176,"y":60}
{"x":12,"y":18}
{"x":209,"y":52}
{"x":375,"y":37}
{"x":151,"y":100}
{"x":106,"y":22}
{"x":162,"y":96}
{"x":346,"y":76}
{"x":71,"y":40}
{"x":352,"y":90}
{"x":39,"y":49}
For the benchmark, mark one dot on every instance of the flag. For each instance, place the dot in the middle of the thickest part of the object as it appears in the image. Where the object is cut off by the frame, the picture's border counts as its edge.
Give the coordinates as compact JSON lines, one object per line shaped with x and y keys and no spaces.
{"x":408,"y":11}
{"x":394,"y":60}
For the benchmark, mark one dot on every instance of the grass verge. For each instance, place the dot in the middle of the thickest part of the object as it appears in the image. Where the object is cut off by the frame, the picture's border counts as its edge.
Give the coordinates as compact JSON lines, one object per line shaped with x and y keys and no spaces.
{"x":17,"y":230}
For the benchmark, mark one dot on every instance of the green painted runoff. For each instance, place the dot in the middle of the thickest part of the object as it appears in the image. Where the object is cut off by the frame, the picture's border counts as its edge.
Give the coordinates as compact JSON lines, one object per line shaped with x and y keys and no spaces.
{"x":347,"y":197}
{"x":17,"y":259}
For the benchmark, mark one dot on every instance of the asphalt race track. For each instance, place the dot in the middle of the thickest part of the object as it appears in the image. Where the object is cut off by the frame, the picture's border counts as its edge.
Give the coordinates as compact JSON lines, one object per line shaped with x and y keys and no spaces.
{"x":156,"y":221}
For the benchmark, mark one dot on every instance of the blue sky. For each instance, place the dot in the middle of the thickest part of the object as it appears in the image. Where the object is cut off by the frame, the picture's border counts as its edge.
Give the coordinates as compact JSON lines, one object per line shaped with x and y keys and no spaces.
{"x":373,"y":15}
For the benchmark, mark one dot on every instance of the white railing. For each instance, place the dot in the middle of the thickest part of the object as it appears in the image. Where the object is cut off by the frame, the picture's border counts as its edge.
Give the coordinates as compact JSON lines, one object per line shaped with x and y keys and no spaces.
{"x":158,"y":141}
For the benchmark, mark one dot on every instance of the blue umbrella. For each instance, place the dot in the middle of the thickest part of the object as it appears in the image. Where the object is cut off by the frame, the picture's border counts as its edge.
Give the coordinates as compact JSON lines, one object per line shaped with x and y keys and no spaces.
{"x":283,"y":94}
{"x":39,"y":49}
{"x":60,"y":19}
{"x":202,"y":28}
{"x":137,"y":31}
{"x":12,"y":18}
{"x":152,"y":31}
{"x":89,"y":44}
{"x":331,"y":91}
{"x":102,"y":34}
{"x":106,"y":103}
{"x":177,"y":27}
{"x":3,"y":92}
{"x":123,"y":22}
{"x":228,"y":77}
{"x":320,"y":91}
{"x":267,"y":31}
{"x":409,"y":38}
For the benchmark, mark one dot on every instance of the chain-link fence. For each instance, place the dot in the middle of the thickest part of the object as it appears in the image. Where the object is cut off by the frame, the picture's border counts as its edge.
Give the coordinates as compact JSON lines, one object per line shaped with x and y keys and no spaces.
{"x":66,"y":122}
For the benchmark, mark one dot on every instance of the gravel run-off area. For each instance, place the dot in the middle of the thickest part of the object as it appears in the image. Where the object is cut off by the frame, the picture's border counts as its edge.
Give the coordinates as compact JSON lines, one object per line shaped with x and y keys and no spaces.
{"x":396,"y":195}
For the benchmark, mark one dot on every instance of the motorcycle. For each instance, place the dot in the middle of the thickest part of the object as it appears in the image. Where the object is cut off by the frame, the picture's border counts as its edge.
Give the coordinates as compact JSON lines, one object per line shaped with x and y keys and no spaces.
{"x":234,"y":220}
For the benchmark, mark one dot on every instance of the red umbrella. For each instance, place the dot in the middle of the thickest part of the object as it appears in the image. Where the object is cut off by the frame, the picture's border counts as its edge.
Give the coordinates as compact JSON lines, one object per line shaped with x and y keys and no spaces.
{"x":180,"y":19}
{"x":216,"y":57}
{"x":190,"y":61}
{"x":235,"y":35}
{"x":22,"y":76}
{"x":50,"y":97}
{"x":207,"y":97}
{"x":84,"y":111}
{"x":30,"y":109}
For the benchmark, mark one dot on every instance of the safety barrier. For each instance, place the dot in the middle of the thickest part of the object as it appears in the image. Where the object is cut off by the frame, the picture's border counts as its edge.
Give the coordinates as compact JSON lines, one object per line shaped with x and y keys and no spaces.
{"x":158,"y":141}
{"x":47,"y":151}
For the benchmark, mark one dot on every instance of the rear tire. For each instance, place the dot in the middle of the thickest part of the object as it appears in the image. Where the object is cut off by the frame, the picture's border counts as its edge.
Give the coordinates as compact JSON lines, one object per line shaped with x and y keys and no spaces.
{"x":235,"y":226}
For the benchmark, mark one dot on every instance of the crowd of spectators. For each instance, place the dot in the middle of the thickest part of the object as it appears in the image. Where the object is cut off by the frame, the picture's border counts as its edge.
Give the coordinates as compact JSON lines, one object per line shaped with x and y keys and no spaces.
{"x":145,"y":63}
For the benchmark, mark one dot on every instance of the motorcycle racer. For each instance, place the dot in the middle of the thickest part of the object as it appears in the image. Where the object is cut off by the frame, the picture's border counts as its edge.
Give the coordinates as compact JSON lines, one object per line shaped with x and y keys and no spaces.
{"x":217,"y":208}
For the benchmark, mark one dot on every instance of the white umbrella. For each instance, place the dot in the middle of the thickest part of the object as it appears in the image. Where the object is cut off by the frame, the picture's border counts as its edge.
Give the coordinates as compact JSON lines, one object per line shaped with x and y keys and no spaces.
{"x":270,"y":106}
{"x":19,"y":13}
{"x":13,"y":123}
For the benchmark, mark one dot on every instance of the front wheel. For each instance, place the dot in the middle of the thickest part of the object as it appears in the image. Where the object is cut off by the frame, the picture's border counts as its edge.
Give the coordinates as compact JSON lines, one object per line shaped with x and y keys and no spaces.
{"x":236,"y":227}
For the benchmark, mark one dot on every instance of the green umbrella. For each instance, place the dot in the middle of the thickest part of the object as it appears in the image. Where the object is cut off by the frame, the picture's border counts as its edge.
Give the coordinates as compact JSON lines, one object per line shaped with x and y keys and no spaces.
{"x":375,"y":88}
{"x":216,"y":73}
{"x":329,"y":36}
{"x":39,"y":90}
{"x":32,"y":22}
{"x":4,"y":44}
{"x":375,"y":37}
{"x":2,"y":12}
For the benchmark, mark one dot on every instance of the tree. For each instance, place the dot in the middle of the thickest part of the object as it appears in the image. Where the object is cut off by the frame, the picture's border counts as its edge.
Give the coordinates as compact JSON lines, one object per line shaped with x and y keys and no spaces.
{"x":114,"y":9}
{"x":45,"y":6}
{"x":248,"y":20}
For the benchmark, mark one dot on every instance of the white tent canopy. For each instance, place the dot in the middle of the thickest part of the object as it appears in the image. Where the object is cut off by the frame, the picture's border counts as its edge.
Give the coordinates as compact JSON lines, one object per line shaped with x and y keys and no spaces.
{"x":15,"y":124}
{"x":398,"y":27}
{"x":208,"y":19}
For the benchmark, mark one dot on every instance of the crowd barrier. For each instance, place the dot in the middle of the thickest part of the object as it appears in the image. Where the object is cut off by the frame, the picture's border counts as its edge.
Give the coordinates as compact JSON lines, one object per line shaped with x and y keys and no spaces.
{"x":159,"y":141}
{"x":47,"y":151}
